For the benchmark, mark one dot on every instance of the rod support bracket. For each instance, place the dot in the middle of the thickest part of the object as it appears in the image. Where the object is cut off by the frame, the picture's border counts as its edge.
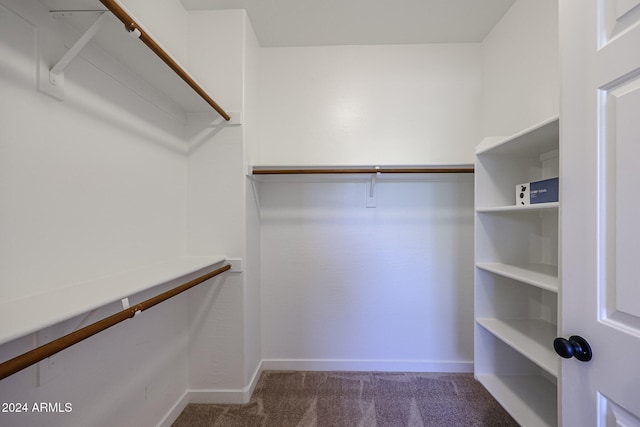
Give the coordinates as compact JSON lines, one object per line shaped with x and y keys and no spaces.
{"x":133,"y":30}
{"x":372,"y":200}
{"x":51,"y":80}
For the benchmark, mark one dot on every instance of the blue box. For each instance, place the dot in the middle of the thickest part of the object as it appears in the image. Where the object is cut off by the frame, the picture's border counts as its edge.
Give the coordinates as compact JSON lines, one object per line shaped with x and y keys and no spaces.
{"x":543,"y":191}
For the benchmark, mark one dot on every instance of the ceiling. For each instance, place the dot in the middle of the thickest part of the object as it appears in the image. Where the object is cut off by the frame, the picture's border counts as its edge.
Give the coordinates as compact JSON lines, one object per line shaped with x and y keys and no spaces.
{"x":280,"y":23}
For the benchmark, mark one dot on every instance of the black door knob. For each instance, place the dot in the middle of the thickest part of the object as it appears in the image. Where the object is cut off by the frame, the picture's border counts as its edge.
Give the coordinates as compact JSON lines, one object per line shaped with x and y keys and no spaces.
{"x":575,"y":346}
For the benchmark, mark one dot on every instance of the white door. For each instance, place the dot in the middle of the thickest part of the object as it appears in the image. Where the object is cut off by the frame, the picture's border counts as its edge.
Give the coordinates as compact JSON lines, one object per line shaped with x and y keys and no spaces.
{"x":600,"y":169}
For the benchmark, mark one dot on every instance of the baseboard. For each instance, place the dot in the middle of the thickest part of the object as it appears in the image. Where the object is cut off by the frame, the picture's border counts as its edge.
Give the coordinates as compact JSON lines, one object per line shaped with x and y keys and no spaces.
{"x":243,"y":395}
{"x":366,"y":365}
{"x":234,"y":396}
{"x":175,"y":411}
{"x":238,"y":396}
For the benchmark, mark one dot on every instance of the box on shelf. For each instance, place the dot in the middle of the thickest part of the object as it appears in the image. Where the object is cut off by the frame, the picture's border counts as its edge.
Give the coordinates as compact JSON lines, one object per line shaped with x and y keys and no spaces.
{"x":543,"y":191}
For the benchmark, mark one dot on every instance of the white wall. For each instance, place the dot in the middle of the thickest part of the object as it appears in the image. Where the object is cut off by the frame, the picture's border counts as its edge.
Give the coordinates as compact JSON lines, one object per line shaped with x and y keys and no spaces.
{"x":77,"y":203}
{"x":521,"y":68}
{"x":101,"y":182}
{"x":215,"y":45}
{"x":252,"y":303}
{"x":216,"y":226}
{"x":385,"y":288}
{"x":343,"y":286}
{"x":327,"y":302}
{"x":410,"y":104}
{"x":166,"y":21}
{"x":216,"y":210}
{"x":224,"y":344}
{"x":89,"y":186}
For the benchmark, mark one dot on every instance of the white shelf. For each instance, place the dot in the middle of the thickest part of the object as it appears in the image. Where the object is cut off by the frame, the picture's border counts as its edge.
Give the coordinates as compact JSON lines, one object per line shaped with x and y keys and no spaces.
{"x":532,"y":338}
{"x":543,"y":276}
{"x":540,"y":138}
{"x":516,"y":280}
{"x":36,"y":312}
{"x":516,"y":208}
{"x":530,"y":399}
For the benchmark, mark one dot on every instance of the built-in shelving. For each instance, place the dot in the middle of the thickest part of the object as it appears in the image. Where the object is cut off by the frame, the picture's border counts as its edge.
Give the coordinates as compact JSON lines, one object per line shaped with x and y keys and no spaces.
{"x":539,"y":138}
{"x":516,"y":275}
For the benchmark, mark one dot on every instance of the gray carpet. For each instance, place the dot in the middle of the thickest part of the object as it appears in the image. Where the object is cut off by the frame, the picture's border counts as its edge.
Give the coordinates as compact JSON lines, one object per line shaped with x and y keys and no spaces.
{"x":356,"y":399}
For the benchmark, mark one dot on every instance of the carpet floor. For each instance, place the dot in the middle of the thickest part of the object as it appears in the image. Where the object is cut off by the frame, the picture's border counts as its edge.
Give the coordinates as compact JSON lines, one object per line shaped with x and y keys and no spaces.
{"x":356,"y":399}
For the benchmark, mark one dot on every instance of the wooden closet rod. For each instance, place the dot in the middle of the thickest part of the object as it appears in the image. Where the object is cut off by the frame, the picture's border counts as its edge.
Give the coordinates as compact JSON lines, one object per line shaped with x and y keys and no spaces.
{"x":317,"y":171}
{"x":130,"y":25}
{"x":29,"y":358}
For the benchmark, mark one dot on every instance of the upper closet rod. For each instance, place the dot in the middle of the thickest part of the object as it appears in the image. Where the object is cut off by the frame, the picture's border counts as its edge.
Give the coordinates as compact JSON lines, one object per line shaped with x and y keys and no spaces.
{"x":130,"y":25}
{"x":32,"y":357}
{"x":364,"y":170}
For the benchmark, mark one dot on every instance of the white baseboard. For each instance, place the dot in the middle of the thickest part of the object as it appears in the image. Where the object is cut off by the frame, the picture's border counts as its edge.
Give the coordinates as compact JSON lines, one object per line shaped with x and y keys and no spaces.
{"x":243,"y":395}
{"x":366,"y":365}
{"x":234,"y":396}
{"x":175,"y":411}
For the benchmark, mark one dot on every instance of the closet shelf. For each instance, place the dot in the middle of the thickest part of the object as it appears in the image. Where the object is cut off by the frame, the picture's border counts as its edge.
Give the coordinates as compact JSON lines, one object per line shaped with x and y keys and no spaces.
{"x":153,"y":63}
{"x":515,"y":208}
{"x":540,"y":138}
{"x":36,"y":312}
{"x":543,"y":276}
{"x":532,"y":338}
{"x":530,"y":399}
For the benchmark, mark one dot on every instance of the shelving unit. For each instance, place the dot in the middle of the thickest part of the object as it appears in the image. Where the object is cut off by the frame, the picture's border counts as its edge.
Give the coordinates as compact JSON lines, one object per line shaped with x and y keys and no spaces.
{"x":516,"y":275}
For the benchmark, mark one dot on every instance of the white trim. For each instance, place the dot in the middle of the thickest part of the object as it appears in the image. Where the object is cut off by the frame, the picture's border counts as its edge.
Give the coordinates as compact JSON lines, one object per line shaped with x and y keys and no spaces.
{"x":229,"y":396}
{"x":219,"y":396}
{"x":367,"y":365}
{"x":254,"y":380}
{"x":243,"y":395}
{"x":240,"y":396}
{"x":175,"y":411}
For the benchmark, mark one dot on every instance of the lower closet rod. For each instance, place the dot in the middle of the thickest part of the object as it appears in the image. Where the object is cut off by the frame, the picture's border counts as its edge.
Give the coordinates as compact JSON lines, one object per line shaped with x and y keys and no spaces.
{"x":29,"y":358}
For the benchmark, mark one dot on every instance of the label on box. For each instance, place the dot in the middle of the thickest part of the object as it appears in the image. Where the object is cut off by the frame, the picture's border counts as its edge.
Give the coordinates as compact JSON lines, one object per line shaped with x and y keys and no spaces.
{"x":544,"y":191}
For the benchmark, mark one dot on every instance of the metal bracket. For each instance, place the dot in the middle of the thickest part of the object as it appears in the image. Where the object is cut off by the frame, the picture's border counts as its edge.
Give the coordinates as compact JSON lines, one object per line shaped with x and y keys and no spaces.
{"x":372,"y":200}
{"x":52,"y":81}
